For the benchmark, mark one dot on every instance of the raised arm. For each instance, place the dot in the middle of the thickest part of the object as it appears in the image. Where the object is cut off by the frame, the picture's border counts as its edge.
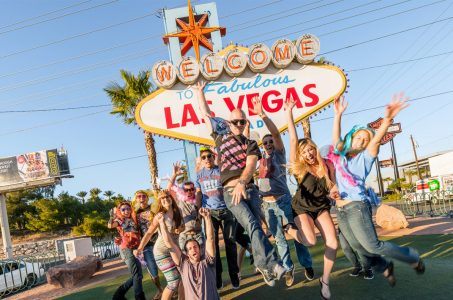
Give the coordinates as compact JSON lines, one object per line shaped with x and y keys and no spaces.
{"x":210,"y":244}
{"x":112,"y":223}
{"x":258,"y":109}
{"x":177,"y":170}
{"x":175,"y":252}
{"x":399,"y":102}
{"x":339,"y":106}
{"x":204,"y":107}
{"x":289,"y":105}
{"x":239,"y":190}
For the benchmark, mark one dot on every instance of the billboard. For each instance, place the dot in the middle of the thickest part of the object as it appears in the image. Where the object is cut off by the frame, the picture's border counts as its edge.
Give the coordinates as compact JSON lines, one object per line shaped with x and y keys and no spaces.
{"x":30,"y":167}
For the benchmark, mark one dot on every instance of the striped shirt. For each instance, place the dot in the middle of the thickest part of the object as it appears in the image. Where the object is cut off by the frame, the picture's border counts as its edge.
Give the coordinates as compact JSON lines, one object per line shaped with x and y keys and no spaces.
{"x":233,"y":151}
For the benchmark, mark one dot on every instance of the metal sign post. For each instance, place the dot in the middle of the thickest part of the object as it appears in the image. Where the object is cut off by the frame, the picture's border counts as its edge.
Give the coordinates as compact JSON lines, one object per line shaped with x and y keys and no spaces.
{"x":170,"y":16}
{"x":7,"y":244}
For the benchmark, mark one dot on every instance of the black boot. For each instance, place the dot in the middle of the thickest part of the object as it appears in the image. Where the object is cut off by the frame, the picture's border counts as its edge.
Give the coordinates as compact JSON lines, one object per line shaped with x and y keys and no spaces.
{"x":140,"y":296}
{"x":120,"y":294}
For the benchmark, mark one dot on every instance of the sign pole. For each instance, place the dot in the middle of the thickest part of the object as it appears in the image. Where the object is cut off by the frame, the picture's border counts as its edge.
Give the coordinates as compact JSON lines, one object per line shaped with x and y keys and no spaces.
{"x":379,"y":177}
{"x":395,"y":163}
{"x":7,"y":244}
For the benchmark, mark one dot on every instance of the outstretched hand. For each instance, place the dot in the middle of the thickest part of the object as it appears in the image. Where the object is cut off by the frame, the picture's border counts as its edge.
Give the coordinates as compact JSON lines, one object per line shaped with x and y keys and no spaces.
{"x":177,"y":169}
{"x":339,"y":105}
{"x":399,"y":102}
{"x":200,"y":85}
{"x":257,"y":105}
{"x":289,"y":104}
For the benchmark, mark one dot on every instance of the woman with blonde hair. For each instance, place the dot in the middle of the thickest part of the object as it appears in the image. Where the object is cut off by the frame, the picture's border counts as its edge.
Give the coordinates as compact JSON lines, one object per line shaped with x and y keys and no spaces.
{"x":173,"y":220}
{"x":311,"y":203}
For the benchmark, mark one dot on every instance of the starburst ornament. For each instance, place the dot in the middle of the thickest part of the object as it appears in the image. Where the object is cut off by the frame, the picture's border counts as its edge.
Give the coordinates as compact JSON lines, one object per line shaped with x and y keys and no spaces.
{"x":194,"y":33}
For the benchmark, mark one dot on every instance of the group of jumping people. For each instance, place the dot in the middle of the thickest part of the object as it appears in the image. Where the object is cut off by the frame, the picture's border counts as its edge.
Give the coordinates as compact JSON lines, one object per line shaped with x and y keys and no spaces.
{"x":238,"y":188}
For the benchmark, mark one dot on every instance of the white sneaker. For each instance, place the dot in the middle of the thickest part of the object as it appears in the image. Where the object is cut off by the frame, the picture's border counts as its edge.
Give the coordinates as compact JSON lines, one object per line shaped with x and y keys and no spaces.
{"x":279,"y":271}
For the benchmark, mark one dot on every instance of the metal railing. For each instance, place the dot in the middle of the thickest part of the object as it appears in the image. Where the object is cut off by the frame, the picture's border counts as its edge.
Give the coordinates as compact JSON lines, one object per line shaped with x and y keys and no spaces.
{"x":433,"y":204}
{"x":25,"y":272}
{"x":106,"y":250}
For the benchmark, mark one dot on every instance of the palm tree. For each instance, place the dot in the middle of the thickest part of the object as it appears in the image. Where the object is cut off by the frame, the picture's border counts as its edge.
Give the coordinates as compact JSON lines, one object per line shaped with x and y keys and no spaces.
{"x":109,"y":194}
{"x":124,"y":100}
{"x":94,"y":194}
{"x":388,"y":180}
{"x":306,"y":127}
{"x":82,"y":195}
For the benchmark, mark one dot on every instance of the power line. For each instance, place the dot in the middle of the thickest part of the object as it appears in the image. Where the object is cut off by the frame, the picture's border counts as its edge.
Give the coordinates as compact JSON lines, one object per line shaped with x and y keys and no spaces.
{"x":386,"y":36}
{"x":45,"y":14}
{"x":77,"y":36}
{"x":88,"y":68}
{"x":54,"y":123}
{"x":285,"y":12}
{"x":114,"y":47}
{"x":251,"y":9}
{"x":53,"y":109}
{"x":399,"y":62}
{"x":59,"y":17}
{"x":124,"y":159}
{"x":382,"y":106}
{"x":399,"y":73}
{"x":330,"y":22}
{"x":90,"y":114}
{"x":130,"y":56}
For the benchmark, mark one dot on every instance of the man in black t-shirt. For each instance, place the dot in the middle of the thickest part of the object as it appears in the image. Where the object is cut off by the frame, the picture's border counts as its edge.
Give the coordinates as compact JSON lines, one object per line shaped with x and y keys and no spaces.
{"x":143,"y":219}
{"x":238,"y":159}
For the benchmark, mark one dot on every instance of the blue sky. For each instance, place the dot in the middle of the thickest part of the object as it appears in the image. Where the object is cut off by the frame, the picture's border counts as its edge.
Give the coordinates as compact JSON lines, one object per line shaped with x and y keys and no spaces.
{"x":44,"y":65}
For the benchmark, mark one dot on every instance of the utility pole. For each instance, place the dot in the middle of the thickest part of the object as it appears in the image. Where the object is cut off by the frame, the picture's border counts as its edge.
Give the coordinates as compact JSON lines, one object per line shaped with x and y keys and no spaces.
{"x":379,"y":178}
{"x":416,"y":159}
{"x":7,"y":244}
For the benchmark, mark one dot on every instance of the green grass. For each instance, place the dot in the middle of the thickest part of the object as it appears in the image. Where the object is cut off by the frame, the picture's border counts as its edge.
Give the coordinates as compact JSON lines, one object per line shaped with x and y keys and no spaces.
{"x":437,"y":251}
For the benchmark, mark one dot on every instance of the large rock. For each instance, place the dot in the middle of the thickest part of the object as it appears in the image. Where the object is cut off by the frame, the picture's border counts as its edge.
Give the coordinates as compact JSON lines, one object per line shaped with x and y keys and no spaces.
{"x":69,"y":274}
{"x":390,"y":218}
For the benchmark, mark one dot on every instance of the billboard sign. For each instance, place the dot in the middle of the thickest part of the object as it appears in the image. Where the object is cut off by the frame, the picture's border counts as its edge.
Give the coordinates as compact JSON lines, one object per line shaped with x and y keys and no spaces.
{"x":386,"y":163}
{"x":29,"y":167}
{"x":393,"y":129}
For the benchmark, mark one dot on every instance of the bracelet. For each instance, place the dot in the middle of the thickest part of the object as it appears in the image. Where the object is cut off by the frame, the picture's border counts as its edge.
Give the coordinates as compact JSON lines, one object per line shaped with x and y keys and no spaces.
{"x":262,"y":115}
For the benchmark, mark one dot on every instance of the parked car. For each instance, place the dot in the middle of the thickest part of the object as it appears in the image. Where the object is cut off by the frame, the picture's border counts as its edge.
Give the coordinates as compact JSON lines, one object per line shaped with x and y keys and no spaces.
{"x":106,"y":250}
{"x":16,"y":274}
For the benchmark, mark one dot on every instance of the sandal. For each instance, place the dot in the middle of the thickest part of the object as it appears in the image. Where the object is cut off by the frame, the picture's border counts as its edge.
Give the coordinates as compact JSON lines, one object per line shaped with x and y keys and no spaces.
{"x":390,"y":274}
{"x":324,"y":296}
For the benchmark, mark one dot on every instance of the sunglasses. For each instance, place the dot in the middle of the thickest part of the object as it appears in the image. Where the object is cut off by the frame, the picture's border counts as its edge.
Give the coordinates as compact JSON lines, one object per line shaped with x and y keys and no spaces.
{"x":189,"y":190}
{"x":241,"y":122}
{"x":126,"y":209}
{"x":141,"y":196}
{"x":271,"y":142}
{"x":208,"y":156}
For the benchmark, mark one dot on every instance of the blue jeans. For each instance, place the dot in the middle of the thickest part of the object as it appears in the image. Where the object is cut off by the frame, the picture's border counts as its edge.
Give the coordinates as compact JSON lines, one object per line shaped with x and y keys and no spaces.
{"x":357,"y":260}
{"x":150,"y":261}
{"x":278,"y":214}
{"x":356,"y":223}
{"x":303,"y":255}
{"x":133,"y":264}
{"x":248,"y":213}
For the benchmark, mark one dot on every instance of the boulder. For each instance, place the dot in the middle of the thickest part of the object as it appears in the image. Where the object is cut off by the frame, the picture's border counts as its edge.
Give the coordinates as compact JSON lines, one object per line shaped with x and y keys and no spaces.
{"x":69,"y":274}
{"x":390,"y":218}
